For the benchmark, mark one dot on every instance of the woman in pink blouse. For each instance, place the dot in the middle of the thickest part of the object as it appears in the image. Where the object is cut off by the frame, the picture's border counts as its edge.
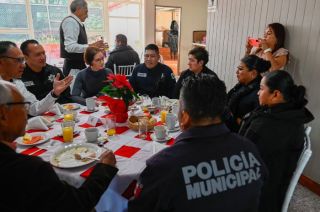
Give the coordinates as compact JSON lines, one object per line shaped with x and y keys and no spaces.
{"x":271,"y":47}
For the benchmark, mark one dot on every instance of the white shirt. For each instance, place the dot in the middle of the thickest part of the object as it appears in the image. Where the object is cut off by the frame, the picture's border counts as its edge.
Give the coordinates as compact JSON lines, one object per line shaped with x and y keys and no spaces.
{"x":71,"y":30}
{"x":36,"y":107}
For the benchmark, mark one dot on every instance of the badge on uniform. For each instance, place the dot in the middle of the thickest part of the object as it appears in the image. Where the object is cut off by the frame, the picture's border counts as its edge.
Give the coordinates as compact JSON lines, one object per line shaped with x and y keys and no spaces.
{"x":51,"y":77}
{"x":142,"y":74}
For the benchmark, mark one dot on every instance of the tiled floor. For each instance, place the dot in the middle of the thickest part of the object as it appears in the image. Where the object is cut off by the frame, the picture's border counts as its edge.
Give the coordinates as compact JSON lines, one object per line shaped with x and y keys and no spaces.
{"x":304,"y":200}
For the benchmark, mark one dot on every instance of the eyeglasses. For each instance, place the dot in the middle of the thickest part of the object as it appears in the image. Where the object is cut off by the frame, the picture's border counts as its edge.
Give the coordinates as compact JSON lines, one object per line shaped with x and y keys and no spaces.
{"x":18,"y":59}
{"x":101,"y":59}
{"x":26,"y":104}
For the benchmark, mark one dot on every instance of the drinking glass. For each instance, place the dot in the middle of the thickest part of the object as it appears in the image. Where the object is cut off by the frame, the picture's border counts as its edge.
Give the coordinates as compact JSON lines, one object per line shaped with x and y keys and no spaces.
{"x":143,"y":128}
{"x":111,"y":125}
{"x":67,"y":130}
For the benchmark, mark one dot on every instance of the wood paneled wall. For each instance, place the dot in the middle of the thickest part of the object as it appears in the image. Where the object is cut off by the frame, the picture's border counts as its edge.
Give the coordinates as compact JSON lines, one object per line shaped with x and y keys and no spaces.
{"x":234,"y":20}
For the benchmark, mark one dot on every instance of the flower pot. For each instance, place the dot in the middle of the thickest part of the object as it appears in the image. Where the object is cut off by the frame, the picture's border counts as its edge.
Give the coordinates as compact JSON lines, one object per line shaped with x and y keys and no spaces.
{"x":119,"y":109}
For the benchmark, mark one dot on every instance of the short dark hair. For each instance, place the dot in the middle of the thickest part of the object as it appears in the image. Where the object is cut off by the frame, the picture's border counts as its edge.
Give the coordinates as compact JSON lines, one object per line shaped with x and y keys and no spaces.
{"x":256,"y":63}
{"x":24,"y":46}
{"x":5,"y":46}
{"x":77,"y":3}
{"x":200,"y":54}
{"x":283,"y":82}
{"x":203,"y":96}
{"x":280,"y":34}
{"x":153,"y":47}
{"x":90,"y":53}
{"x":122,"y":39}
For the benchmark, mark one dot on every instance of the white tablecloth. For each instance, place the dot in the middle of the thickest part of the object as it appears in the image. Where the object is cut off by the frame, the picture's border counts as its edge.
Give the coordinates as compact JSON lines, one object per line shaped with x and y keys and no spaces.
{"x":129,"y":168}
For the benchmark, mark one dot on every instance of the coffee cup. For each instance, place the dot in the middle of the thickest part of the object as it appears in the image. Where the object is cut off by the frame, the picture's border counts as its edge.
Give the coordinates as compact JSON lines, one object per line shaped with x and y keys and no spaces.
{"x":91,"y":134}
{"x":171,"y":120}
{"x":160,"y":132}
{"x":91,"y":104}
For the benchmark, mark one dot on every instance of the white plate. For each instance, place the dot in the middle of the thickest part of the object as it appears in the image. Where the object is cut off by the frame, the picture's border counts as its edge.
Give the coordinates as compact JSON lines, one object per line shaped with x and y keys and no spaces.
{"x":153,"y":137}
{"x":45,"y":135}
{"x":64,"y":157}
{"x":75,"y":106}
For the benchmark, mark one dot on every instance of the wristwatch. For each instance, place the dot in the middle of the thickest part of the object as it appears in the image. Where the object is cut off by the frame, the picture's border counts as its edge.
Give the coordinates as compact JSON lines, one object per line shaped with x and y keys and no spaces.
{"x":53,"y":95}
{"x":267,"y":50}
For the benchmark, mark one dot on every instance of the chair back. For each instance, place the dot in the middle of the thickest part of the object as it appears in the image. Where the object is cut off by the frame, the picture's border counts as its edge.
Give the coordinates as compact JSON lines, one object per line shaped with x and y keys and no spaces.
{"x":302,"y":162}
{"x":124,"y":70}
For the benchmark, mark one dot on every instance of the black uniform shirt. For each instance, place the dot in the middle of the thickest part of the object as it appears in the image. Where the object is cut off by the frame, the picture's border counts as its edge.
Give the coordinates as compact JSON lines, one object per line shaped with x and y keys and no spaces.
{"x":41,"y":83}
{"x":207,"y":169}
{"x":159,"y":81}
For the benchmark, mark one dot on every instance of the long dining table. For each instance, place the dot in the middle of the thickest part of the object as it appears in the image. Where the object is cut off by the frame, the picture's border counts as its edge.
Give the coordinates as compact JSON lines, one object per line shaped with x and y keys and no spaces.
{"x":131,"y":154}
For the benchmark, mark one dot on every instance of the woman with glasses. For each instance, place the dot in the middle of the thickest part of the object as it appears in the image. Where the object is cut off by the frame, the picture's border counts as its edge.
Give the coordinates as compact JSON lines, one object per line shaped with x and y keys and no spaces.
{"x":90,"y":80}
{"x":243,"y":98}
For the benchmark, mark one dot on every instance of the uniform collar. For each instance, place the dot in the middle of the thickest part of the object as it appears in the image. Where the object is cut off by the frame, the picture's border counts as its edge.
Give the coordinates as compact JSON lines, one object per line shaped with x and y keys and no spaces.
{"x":202,"y":132}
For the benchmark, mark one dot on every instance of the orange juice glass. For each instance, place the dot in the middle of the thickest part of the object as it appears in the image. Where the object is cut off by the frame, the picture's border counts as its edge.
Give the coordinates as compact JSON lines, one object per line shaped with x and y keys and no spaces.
{"x":68,"y":117}
{"x":67,"y":130}
{"x":163,"y":115}
{"x":67,"y":133}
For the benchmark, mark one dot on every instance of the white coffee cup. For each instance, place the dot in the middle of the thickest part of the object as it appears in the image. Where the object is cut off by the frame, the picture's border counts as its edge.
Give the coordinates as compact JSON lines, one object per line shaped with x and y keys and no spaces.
{"x":171,"y":120}
{"x":160,"y":132}
{"x":91,"y":104}
{"x":91,"y":134}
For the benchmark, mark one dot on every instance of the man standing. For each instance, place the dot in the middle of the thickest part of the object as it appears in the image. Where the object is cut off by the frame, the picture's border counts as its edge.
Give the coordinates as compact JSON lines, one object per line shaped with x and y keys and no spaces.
{"x":29,"y":183}
{"x":208,"y":168}
{"x":73,"y":37}
{"x":38,"y":76}
{"x":151,"y":77}
{"x":12,"y":64}
{"x":123,"y":54}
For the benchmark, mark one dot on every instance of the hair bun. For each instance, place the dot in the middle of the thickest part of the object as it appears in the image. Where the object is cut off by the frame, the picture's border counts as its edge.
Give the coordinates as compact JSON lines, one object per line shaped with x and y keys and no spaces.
{"x":262,"y":65}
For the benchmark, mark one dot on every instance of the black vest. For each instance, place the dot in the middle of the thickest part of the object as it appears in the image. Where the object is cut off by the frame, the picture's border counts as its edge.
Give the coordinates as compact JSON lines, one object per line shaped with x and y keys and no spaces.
{"x":82,"y":39}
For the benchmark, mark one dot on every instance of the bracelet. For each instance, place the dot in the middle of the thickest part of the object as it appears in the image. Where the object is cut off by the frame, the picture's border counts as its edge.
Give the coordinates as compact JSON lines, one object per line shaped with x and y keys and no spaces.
{"x":53,"y":95}
{"x":267,"y":50}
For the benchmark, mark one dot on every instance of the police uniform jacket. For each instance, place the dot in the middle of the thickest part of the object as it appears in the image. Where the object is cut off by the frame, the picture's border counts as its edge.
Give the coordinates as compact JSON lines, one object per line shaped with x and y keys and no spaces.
{"x":159,"y":81}
{"x":278,"y":133}
{"x":187,"y":73}
{"x":207,"y":169}
{"x":41,"y":83}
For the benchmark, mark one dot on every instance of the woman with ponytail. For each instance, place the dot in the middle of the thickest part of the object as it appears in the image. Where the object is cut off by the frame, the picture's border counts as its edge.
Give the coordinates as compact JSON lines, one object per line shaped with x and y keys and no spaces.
{"x":277,"y":129}
{"x":243,"y":98}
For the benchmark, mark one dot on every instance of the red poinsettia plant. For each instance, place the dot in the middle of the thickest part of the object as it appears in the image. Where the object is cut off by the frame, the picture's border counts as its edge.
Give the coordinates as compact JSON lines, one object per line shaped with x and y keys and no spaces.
{"x":118,"y":86}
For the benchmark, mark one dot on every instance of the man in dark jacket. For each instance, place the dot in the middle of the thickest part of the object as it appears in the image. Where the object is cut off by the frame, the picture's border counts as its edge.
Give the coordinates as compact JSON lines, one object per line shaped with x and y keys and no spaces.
{"x":38,"y":76}
{"x":208,"y":168}
{"x":151,"y":77}
{"x":198,"y":58}
{"x":123,"y":54}
{"x":30,"y":184}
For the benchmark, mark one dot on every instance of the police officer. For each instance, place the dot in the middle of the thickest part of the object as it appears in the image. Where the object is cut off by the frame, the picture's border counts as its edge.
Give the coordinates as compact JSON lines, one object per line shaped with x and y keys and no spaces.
{"x":151,"y":77}
{"x":208,"y":168}
{"x":38,"y":76}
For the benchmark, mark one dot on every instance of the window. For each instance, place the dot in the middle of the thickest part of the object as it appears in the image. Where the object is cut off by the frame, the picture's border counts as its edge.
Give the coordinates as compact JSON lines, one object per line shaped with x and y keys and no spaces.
{"x":40,"y":20}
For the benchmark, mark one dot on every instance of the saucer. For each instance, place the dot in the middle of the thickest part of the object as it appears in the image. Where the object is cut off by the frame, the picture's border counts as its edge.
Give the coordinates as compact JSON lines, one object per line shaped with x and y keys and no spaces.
{"x":92,"y":111}
{"x":175,"y":129}
{"x":153,"y":137}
